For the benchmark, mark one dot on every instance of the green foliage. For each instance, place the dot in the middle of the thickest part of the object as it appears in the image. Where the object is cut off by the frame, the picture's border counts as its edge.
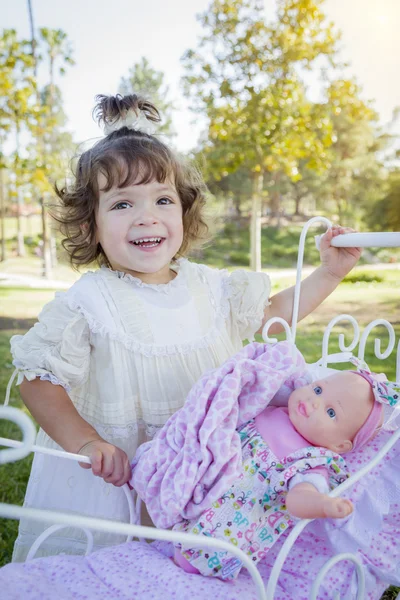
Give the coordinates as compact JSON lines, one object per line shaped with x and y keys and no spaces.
{"x":385,"y":214}
{"x":251,"y":89}
{"x":17,"y":85}
{"x":362,"y":277}
{"x":279,"y":247}
{"x":247,"y":75}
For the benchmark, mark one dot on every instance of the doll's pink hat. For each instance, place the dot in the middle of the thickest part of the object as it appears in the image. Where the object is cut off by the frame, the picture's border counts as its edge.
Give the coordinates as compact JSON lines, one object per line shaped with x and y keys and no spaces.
{"x":386,"y":408}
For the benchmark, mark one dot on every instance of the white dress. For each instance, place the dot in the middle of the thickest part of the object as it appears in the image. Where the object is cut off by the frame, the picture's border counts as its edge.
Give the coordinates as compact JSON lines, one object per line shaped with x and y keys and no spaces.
{"x":127,"y":353}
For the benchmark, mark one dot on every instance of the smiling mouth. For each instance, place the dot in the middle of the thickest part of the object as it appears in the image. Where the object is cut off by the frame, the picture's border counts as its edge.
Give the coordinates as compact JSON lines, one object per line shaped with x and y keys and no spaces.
{"x":147,"y":242}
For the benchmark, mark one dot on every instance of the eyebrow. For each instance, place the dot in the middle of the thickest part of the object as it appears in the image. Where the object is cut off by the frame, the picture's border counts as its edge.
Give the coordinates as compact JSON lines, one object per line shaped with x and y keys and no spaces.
{"x":121,"y":191}
{"x":340,"y":404}
{"x":111,"y":196}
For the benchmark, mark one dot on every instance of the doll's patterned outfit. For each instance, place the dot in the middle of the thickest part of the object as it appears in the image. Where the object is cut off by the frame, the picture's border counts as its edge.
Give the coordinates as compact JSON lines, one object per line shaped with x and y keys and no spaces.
{"x":252,"y":513}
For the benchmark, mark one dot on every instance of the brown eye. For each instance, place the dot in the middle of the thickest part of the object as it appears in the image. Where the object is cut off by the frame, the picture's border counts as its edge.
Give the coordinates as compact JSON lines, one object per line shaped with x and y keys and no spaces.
{"x":121,"y":206}
{"x":164,"y":201}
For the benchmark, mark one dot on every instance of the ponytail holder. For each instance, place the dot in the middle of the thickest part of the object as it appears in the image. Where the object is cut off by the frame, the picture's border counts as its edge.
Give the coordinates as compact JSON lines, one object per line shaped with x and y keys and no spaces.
{"x":133,"y":121}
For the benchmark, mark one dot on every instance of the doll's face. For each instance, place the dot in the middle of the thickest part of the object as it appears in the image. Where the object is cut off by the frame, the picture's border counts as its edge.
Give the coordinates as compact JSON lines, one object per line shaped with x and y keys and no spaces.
{"x":331,"y":411}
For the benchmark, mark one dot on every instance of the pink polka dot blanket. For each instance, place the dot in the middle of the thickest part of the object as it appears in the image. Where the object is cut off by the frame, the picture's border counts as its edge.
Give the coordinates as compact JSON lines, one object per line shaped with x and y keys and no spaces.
{"x":197,"y":454}
{"x":136,"y":571}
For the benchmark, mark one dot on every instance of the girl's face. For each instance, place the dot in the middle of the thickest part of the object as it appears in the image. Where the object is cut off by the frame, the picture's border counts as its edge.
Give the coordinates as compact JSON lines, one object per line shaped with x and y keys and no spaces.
{"x":140,"y":228}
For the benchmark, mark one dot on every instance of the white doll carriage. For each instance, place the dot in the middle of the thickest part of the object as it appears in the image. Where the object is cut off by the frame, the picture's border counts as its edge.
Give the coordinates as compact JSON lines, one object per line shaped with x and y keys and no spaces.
{"x":319,"y":569}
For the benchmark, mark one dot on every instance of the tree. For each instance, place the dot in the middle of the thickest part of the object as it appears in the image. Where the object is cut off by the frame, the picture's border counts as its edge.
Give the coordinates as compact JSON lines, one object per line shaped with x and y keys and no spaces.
{"x":385,"y":213}
{"x":144,"y":80}
{"x":17,"y":106}
{"x":2,"y":211}
{"x":246,"y":76}
{"x":354,"y":177}
{"x":58,"y":52}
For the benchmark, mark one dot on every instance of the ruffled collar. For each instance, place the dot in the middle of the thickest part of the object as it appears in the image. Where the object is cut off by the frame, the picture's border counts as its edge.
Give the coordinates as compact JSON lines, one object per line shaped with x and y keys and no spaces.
{"x":158,"y":287}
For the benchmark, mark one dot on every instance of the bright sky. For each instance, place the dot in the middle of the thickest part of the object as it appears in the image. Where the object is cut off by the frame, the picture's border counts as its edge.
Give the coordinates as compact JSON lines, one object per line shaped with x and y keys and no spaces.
{"x":109,"y":37}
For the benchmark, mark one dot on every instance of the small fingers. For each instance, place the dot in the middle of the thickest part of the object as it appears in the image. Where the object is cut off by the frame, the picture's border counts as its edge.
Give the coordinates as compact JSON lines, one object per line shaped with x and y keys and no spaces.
{"x":343,"y":507}
{"x":97,"y":463}
{"x":127,"y":471}
{"x":122,"y":472}
{"x":85,"y":465}
{"x":339,"y":230}
{"x":347,"y":507}
{"x":110,"y":463}
{"x":109,"y":466}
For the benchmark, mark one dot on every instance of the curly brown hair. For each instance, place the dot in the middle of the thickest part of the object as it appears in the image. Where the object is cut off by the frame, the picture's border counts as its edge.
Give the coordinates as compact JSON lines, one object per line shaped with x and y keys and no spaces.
{"x":123,"y":157}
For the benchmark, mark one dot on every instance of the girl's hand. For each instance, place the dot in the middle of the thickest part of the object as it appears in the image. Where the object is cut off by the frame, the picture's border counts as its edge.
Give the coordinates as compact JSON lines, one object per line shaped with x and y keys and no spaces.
{"x":338,"y":261}
{"x":337,"y":508}
{"x":107,"y":461}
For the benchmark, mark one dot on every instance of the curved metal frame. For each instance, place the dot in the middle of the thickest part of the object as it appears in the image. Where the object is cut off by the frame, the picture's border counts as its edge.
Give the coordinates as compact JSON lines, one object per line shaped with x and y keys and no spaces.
{"x":134,"y":529}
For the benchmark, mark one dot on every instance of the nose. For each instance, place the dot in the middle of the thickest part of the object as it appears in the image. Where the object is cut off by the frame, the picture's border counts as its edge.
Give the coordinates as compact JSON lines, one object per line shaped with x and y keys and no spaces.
{"x":145,"y":216}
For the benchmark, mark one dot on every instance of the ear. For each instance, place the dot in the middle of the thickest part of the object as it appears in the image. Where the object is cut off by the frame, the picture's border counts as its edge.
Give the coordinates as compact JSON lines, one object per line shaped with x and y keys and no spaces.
{"x":343,"y":447}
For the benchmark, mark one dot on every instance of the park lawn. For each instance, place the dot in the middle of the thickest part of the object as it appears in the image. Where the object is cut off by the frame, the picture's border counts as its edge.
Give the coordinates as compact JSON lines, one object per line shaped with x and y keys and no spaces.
{"x":13,"y":476}
{"x":20,"y":307}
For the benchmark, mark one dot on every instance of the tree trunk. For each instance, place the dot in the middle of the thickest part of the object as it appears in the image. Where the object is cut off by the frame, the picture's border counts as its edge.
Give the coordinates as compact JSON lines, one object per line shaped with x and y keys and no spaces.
{"x":237,"y":201}
{"x":20,"y":235}
{"x":46,"y":272}
{"x":3,"y":217}
{"x":298,"y":198}
{"x":275,"y":204}
{"x":339,"y":206}
{"x":255,"y":223}
{"x":53,"y":248}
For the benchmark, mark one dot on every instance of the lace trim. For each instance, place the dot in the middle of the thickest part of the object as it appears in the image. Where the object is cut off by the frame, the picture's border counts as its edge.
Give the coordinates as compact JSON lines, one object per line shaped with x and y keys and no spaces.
{"x":122,"y":431}
{"x":159,"y":287}
{"x":127,"y":431}
{"x":31,"y":374}
{"x":226,"y":293}
{"x":95,"y":326}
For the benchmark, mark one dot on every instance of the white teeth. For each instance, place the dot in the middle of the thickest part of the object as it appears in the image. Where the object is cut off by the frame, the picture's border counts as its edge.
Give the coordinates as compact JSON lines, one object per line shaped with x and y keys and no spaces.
{"x":152,"y":239}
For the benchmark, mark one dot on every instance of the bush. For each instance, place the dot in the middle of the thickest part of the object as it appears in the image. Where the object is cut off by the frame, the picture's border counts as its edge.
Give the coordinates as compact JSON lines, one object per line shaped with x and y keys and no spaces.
{"x":363,"y":277}
{"x":241,"y":259}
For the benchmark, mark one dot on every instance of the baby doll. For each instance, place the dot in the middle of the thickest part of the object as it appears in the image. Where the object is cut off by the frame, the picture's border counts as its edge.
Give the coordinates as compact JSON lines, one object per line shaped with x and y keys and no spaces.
{"x":291,"y":460}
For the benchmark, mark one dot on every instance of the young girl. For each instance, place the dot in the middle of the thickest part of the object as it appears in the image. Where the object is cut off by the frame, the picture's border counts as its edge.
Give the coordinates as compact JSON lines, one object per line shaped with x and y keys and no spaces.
{"x":110,"y":360}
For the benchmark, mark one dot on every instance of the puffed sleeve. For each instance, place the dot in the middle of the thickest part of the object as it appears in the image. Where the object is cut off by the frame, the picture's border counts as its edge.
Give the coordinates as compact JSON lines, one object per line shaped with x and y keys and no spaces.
{"x":248,"y":294}
{"x":56,"y":349}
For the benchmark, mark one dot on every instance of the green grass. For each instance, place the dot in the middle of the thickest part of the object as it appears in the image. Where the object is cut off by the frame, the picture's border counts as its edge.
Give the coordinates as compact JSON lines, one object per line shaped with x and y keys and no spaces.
{"x":13,"y":476}
{"x":364,"y":298}
{"x":31,"y":226}
{"x":32,"y":266}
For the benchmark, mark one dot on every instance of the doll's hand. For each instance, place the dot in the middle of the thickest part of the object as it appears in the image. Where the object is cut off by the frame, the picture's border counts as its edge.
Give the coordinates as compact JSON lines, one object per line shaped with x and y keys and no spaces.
{"x":107,"y":461}
{"x":338,"y":261}
{"x":337,"y":508}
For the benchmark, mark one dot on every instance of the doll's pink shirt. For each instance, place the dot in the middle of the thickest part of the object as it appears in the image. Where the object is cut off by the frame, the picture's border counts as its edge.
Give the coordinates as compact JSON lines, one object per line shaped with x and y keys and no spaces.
{"x":278,"y":432}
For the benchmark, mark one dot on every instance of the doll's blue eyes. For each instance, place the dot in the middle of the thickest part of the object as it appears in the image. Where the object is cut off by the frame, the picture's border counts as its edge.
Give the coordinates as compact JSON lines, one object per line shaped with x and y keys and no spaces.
{"x":318,"y":390}
{"x":331,"y":413}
